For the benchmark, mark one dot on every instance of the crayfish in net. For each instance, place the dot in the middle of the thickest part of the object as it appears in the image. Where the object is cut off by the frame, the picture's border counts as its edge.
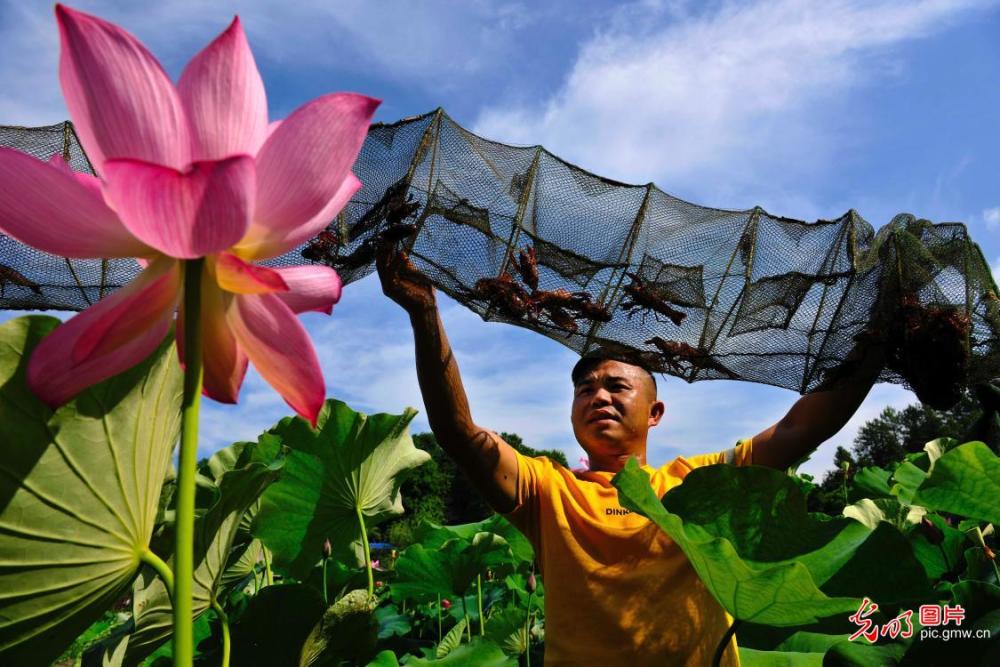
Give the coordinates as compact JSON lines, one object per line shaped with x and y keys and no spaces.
{"x":560,"y":306}
{"x":674,"y":353}
{"x":642,"y":297}
{"x":504,"y":294}
{"x":928,"y":347}
{"x":14,"y":277}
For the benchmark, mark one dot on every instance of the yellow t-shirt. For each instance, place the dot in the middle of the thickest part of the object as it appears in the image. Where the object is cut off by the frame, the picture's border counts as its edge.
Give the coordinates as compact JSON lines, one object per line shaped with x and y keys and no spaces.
{"x":618,"y":590}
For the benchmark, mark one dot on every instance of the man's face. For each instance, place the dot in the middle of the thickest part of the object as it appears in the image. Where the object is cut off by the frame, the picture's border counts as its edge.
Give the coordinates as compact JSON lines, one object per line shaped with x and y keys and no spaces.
{"x":614,"y":405}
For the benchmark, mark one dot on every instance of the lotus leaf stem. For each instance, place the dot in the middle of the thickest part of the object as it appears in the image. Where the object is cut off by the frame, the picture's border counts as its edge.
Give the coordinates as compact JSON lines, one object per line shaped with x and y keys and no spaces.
{"x":224,"y":624}
{"x":479,"y":601}
{"x":468,"y":623}
{"x":162,"y":569}
{"x":188,"y":466}
{"x":439,"y":618}
{"x":724,"y":642}
{"x":527,"y":632}
{"x":368,"y":553}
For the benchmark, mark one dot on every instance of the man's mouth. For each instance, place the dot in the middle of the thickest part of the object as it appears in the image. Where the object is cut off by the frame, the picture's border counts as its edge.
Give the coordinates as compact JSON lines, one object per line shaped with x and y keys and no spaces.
{"x":601,"y":416}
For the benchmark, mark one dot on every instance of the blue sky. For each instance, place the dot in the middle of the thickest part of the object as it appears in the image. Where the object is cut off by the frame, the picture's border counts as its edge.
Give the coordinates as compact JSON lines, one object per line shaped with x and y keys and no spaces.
{"x":805,"y":108}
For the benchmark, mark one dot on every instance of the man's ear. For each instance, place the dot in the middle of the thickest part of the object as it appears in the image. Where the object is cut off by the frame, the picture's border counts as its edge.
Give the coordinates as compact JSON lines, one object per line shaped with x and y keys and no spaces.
{"x":656,"y":412}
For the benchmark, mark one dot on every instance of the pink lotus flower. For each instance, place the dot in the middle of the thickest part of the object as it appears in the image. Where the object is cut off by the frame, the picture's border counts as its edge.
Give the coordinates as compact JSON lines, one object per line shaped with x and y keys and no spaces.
{"x":186,"y":171}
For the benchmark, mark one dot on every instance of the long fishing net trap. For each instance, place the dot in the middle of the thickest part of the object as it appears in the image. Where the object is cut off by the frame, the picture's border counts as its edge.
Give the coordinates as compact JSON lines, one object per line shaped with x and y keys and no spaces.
{"x":520,"y":236}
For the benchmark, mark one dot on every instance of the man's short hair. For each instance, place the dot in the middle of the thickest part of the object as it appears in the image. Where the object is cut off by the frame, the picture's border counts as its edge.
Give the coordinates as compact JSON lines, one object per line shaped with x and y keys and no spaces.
{"x":589,"y":363}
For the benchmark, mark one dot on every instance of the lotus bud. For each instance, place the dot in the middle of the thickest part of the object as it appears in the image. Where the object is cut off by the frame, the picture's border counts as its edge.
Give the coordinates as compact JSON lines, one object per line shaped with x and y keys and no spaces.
{"x":379,"y":584}
{"x":846,"y":467}
{"x":532,"y":583}
{"x":931,"y":532}
{"x":327,"y":549}
{"x":446,"y":604}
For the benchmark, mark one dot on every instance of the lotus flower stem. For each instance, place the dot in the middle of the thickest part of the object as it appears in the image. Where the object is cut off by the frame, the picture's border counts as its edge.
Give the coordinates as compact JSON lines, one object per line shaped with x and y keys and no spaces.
{"x":162,"y":569}
{"x":268,"y":575}
{"x":479,"y":601}
{"x":184,"y":547}
{"x":325,"y":600}
{"x":224,"y":624}
{"x":527,"y":632}
{"x":724,"y":642}
{"x":439,"y":618}
{"x":368,"y":553}
{"x":977,"y":535}
{"x":468,"y":623}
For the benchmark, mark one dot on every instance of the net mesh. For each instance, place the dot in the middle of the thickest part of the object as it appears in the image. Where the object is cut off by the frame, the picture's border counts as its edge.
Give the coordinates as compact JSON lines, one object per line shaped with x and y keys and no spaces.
{"x":520,"y":236}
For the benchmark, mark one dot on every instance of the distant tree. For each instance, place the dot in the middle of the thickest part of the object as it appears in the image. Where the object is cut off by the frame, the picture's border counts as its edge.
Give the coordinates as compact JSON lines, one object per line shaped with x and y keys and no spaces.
{"x":438,"y":491}
{"x":514,"y":440}
{"x":885,"y":440}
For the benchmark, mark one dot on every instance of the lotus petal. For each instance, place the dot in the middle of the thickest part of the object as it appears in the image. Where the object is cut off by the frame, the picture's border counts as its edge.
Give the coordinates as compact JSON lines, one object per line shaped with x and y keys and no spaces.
{"x":240,"y":277}
{"x":224,"y":98}
{"x":45,"y":206}
{"x":280,"y":350}
{"x":122,"y":103}
{"x":197,"y":212}
{"x":304,"y":162}
{"x":311,"y":288}
{"x":108,"y":338}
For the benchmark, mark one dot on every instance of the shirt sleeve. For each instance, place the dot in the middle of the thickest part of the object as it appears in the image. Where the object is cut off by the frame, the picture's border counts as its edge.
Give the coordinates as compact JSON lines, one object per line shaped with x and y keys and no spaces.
{"x":532,"y":473}
{"x":741,"y":455}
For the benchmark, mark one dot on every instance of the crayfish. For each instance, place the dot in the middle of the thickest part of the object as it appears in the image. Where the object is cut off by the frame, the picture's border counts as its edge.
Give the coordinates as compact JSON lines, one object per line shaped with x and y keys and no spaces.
{"x":9,"y":275}
{"x":506,"y":295}
{"x":322,"y":248}
{"x":675,"y":352}
{"x":560,"y":306}
{"x":641,"y":297}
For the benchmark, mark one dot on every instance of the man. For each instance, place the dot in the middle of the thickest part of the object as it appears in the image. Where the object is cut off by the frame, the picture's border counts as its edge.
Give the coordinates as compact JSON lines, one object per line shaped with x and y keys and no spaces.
{"x":618,"y":590}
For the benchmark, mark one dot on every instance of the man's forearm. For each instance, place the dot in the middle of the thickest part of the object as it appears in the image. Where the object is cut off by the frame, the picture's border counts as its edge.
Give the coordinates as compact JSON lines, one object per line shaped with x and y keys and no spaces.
{"x":440,"y":381}
{"x":816,"y":417}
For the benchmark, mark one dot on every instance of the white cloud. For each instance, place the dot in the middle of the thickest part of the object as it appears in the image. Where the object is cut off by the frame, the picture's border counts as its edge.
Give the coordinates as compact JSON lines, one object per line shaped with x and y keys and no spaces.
{"x":743,"y":101}
{"x":991,"y":217}
{"x":435,"y":45}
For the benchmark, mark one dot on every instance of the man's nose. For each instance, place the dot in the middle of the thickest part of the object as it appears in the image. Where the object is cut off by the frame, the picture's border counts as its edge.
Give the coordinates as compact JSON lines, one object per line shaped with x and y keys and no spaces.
{"x":601,"y":397}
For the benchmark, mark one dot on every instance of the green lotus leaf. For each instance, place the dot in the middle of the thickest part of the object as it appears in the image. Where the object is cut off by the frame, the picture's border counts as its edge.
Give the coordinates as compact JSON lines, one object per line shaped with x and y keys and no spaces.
{"x":965,"y":481}
{"x":207,"y":645}
{"x":384,"y":659}
{"x":860,"y":654}
{"x":938,"y":559}
{"x":214,"y":531}
{"x":391,"y":622}
{"x":480,"y":652}
{"x":79,"y":493}
{"x":447,"y":570}
{"x":114,"y":656}
{"x":769,"y":522}
{"x":506,"y":628}
{"x":348,"y":630}
{"x":352,"y":464}
{"x":873,"y":481}
{"x":761,"y":562}
{"x":242,"y":563}
{"x":275,"y":625}
{"x":885,"y":569}
{"x":871,"y":512}
{"x":452,"y":639}
{"x":433,"y":535}
{"x":753,"y":658}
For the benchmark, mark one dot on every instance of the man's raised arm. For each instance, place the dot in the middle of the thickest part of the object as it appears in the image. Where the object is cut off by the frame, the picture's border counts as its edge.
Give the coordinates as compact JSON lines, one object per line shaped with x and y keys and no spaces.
{"x":818,"y":416}
{"x":489,"y":462}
